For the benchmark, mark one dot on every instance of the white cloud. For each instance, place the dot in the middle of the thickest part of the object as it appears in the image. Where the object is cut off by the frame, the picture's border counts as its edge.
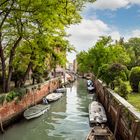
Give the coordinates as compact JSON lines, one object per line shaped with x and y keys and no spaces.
{"x":110,"y":4}
{"x":134,"y":1}
{"x":113,"y":4}
{"x":132,"y":33}
{"x":84,"y":35}
{"x":115,"y":35}
{"x":136,"y":33}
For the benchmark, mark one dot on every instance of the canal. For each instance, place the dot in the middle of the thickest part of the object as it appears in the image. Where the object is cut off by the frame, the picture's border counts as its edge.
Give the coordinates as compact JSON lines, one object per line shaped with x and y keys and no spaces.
{"x":67,"y":119}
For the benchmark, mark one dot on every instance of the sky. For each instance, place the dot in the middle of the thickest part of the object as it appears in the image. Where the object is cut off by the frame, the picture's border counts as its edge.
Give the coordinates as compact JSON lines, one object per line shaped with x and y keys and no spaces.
{"x":117,"y":18}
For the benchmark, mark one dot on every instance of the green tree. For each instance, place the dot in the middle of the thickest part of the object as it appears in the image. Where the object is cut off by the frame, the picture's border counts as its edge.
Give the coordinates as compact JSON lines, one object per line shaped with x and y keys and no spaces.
{"x":102,"y":53}
{"x":82,"y":59}
{"x":105,"y":52}
{"x":32,"y":20}
{"x":103,"y":73}
{"x":118,"y":54}
{"x":98,"y":54}
{"x":135,"y":78}
{"x":123,"y":89}
{"x":133,"y":49}
{"x":111,"y":73}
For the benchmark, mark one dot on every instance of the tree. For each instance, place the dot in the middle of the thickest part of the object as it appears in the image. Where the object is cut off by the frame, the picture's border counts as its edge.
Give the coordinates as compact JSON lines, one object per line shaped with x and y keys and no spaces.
{"x":118,"y":54}
{"x":98,"y":54}
{"x":102,"y":53}
{"x":133,"y":49}
{"x":135,"y":78}
{"x":112,"y":73}
{"x":82,"y":60}
{"x":30,"y":20}
{"x":103,"y":73}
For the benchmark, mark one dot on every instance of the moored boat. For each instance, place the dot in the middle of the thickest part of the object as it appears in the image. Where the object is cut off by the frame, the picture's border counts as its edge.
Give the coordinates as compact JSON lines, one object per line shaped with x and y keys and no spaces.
{"x":90,"y":88}
{"x":90,"y":85}
{"x":61,"y":90}
{"x":97,"y":113}
{"x":35,"y":111}
{"x":53,"y":96}
{"x":99,"y":133}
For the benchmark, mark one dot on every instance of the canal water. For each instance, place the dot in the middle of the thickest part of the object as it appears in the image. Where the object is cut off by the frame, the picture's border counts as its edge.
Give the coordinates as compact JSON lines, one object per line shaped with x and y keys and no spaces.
{"x":67,"y":119}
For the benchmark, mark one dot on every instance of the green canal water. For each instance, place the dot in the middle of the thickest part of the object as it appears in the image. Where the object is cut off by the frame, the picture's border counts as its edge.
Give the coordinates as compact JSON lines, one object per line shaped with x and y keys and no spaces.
{"x":67,"y":119}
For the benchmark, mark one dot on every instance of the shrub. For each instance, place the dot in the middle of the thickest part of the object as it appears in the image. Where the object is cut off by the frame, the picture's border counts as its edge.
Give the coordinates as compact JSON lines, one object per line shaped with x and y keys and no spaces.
{"x":135,"y":78}
{"x":123,"y":88}
{"x":118,"y":70}
{"x":2,"y":98}
{"x":20,"y":92}
{"x":109,"y":73}
{"x":10,"y":96}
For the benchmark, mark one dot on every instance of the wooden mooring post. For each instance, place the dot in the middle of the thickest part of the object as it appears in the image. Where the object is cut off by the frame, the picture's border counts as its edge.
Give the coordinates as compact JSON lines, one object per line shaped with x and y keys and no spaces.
{"x":134,"y":131}
{"x":1,"y":125}
{"x":117,"y":118}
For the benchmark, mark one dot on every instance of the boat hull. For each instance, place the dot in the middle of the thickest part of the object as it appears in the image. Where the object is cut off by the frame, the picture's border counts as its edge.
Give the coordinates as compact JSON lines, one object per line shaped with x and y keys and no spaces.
{"x":61,"y":90}
{"x":35,"y":111}
{"x":97,"y":113}
{"x":99,"y":133}
{"x":35,"y":116}
{"x":53,"y":96}
{"x":90,"y":88}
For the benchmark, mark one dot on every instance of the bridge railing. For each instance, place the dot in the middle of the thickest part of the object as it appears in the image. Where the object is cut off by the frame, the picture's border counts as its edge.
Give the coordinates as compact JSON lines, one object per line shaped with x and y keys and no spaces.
{"x":123,"y":118}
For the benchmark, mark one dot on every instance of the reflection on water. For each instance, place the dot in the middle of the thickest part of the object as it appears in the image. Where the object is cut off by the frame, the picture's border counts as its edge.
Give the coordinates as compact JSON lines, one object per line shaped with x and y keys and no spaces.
{"x":67,"y":119}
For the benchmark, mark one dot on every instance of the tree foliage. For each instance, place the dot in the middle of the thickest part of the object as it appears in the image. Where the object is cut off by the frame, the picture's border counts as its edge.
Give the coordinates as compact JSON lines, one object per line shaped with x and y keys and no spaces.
{"x":108,"y":60}
{"x":123,"y":88}
{"x":111,"y":73}
{"x":133,"y":49}
{"x":102,"y":53}
{"x":82,"y":62}
{"x":98,"y":54}
{"x":135,"y":78}
{"x":27,"y":31}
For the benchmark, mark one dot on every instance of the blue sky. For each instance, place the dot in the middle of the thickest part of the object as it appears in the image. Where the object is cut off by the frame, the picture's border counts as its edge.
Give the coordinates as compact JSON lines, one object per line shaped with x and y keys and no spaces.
{"x":123,"y":18}
{"x":117,"y":18}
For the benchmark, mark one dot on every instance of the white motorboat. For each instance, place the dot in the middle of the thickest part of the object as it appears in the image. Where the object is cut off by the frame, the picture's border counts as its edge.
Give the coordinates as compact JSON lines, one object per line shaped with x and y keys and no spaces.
{"x":89,"y":83}
{"x":61,"y":90}
{"x":35,"y":111}
{"x":90,"y":88}
{"x":97,"y":113}
{"x":53,"y":96}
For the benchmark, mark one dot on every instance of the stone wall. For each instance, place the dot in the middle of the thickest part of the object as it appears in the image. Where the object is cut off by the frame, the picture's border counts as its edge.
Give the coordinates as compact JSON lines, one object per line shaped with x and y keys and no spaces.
{"x":35,"y":93}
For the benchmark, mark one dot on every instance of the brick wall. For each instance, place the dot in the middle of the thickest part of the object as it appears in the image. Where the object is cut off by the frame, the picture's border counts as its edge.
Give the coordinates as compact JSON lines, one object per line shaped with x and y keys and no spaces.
{"x":34,"y":95}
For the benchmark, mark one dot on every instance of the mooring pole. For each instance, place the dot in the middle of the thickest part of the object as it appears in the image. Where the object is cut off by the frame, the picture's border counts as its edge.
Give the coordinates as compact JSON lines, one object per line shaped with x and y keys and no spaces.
{"x":135,"y":128}
{"x":117,"y":119}
{"x":1,"y":125}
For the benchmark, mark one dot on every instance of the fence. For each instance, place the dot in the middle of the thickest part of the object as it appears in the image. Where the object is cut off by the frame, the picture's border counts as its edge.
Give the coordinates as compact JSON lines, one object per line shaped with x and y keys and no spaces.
{"x":123,"y":118}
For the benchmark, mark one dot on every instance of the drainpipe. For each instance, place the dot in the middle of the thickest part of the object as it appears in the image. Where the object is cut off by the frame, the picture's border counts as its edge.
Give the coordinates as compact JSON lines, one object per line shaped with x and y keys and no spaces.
{"x":64,"y":74}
